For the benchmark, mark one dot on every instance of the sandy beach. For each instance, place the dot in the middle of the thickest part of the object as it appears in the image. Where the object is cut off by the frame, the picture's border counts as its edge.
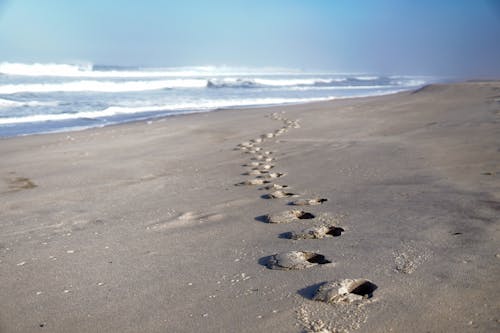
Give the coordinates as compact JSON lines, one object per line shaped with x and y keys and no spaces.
{"x":185,"y":224}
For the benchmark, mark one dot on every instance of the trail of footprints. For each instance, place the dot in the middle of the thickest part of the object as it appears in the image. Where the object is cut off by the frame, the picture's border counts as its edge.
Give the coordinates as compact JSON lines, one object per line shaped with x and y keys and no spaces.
{"x":261,"y":167}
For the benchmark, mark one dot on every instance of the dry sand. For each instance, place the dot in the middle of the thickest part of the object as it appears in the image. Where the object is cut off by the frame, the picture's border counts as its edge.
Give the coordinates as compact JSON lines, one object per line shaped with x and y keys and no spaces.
{"x":140,"y":227}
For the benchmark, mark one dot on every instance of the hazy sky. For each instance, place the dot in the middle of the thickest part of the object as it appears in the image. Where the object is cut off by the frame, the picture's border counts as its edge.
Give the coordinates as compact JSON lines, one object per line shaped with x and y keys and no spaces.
{"x":447,"y":37}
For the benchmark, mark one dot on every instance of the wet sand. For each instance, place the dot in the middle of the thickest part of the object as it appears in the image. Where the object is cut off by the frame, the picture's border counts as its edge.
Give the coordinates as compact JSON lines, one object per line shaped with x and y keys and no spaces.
{"x":370,"y":215}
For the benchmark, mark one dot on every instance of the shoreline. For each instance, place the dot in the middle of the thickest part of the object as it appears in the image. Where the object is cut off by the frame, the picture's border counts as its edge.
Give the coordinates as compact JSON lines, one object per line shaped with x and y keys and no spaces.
{"x":186,"y":113}
{"x":140,"y":227}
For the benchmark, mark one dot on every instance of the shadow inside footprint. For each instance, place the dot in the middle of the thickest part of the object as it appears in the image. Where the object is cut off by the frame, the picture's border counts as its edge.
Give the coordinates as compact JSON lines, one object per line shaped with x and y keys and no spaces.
{"x":335,"y":231}
{"x":305,"y":216}
{"x":364,"y":288}
{"x":318,"y":259}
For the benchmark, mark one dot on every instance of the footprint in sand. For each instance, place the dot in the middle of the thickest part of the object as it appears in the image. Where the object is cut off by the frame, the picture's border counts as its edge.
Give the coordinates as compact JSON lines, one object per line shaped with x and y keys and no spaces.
{"x":278,"y":195}
{"x":308,"y":202}
{"x":275,"y":175}
{"x":255,"y":173}
{"x":288,"y":216}
{"x":187,"y":219}
{"x":252,"y":164}
{"x":259,"y":165}
{"x":320,"y":232}
{"x":21,"y":183}
{"x":279,"y":132}
{"x":295,"y":260}
{"x":264,"y":167}
{"x":257,"y":181}
{"x":245,"y":144}
{"x":409,"y":257}
{"x":275,"y":187}
{"x":345,"y":291}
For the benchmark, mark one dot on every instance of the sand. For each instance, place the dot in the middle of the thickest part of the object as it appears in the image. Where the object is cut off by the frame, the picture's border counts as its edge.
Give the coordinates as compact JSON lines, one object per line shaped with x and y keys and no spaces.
{"x":140,"y":227}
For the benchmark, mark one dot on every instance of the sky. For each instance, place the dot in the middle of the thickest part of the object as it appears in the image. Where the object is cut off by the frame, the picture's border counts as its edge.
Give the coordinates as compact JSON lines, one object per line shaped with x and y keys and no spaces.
{"x":427,"y":37}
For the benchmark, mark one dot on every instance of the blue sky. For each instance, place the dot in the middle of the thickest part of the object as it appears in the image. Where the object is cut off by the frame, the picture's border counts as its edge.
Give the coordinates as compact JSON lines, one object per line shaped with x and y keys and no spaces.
{"x":437,"y":37}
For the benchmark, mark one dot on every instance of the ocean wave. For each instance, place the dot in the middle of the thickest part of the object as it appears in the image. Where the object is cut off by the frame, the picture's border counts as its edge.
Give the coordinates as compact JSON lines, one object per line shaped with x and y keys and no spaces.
{"x":95,"y":71}
{"x":102,"y":86}
{"x":204,"y":105}
{"x":11,"y":103}
{"x":268,"y":82}
{"x":349,"y":82}
{"x":134,"y":86}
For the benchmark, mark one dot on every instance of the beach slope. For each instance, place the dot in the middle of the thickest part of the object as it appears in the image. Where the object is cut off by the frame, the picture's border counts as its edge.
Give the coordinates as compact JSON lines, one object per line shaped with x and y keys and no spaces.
{"x":232,"y":221}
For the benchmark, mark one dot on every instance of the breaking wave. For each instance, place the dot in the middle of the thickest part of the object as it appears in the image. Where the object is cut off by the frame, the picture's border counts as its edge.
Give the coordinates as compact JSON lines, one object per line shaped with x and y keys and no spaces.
{"x":131,"y":86}
{"x":188,"y":106}
{"x":36,"y":97}
{"x":96,"y":71}
{"x":10,"y":103}
{"x":101,"y":86}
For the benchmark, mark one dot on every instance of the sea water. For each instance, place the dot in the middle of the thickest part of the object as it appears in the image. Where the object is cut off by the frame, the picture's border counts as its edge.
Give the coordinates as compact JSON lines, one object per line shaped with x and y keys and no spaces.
{"x":39,"y":98}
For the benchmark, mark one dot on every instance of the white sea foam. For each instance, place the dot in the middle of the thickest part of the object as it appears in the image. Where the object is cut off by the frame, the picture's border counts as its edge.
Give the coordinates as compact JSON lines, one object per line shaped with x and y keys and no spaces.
{"x":263,"y":82}
{"x":275,"y":82}
{"x":191,"y":106}
{"x":47,"y":97}
{"x":145,"y":85}
{"x":10,"y":103}
{"x":101,"y":86}
{"x":88,"y":70}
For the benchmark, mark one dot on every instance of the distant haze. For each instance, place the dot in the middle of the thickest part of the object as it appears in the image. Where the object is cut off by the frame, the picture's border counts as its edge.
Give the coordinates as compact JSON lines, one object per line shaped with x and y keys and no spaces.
{"x":428,"y":37}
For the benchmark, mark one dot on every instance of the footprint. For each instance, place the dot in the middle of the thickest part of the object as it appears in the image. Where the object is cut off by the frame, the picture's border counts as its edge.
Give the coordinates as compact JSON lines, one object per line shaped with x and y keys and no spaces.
{"x":21,"y":183}
{"x":409,"y":257}
{"x":255,"y":173}
{"x":258,"y":157}
{"x":279,"y":132}
{"x":289,"y":216}
{"x":252,"y":164}
{"x":275,"y":187}
{"x":264,"y":167}
{"x":345,"y":291}
{"x":187,"y":219}
{"x":257,"y":140}
{"x":267,"y":135}
{"x":296,"y":260}
{"x":275,"y":175}
{"x":318,"y":232}
{"x":278,"y":195}
{"x":257,"y":181}
{"x":308,"y":202}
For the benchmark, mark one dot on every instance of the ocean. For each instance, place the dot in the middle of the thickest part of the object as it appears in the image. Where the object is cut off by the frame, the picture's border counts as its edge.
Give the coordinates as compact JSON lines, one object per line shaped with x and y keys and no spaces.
{"x":42,"y":98}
